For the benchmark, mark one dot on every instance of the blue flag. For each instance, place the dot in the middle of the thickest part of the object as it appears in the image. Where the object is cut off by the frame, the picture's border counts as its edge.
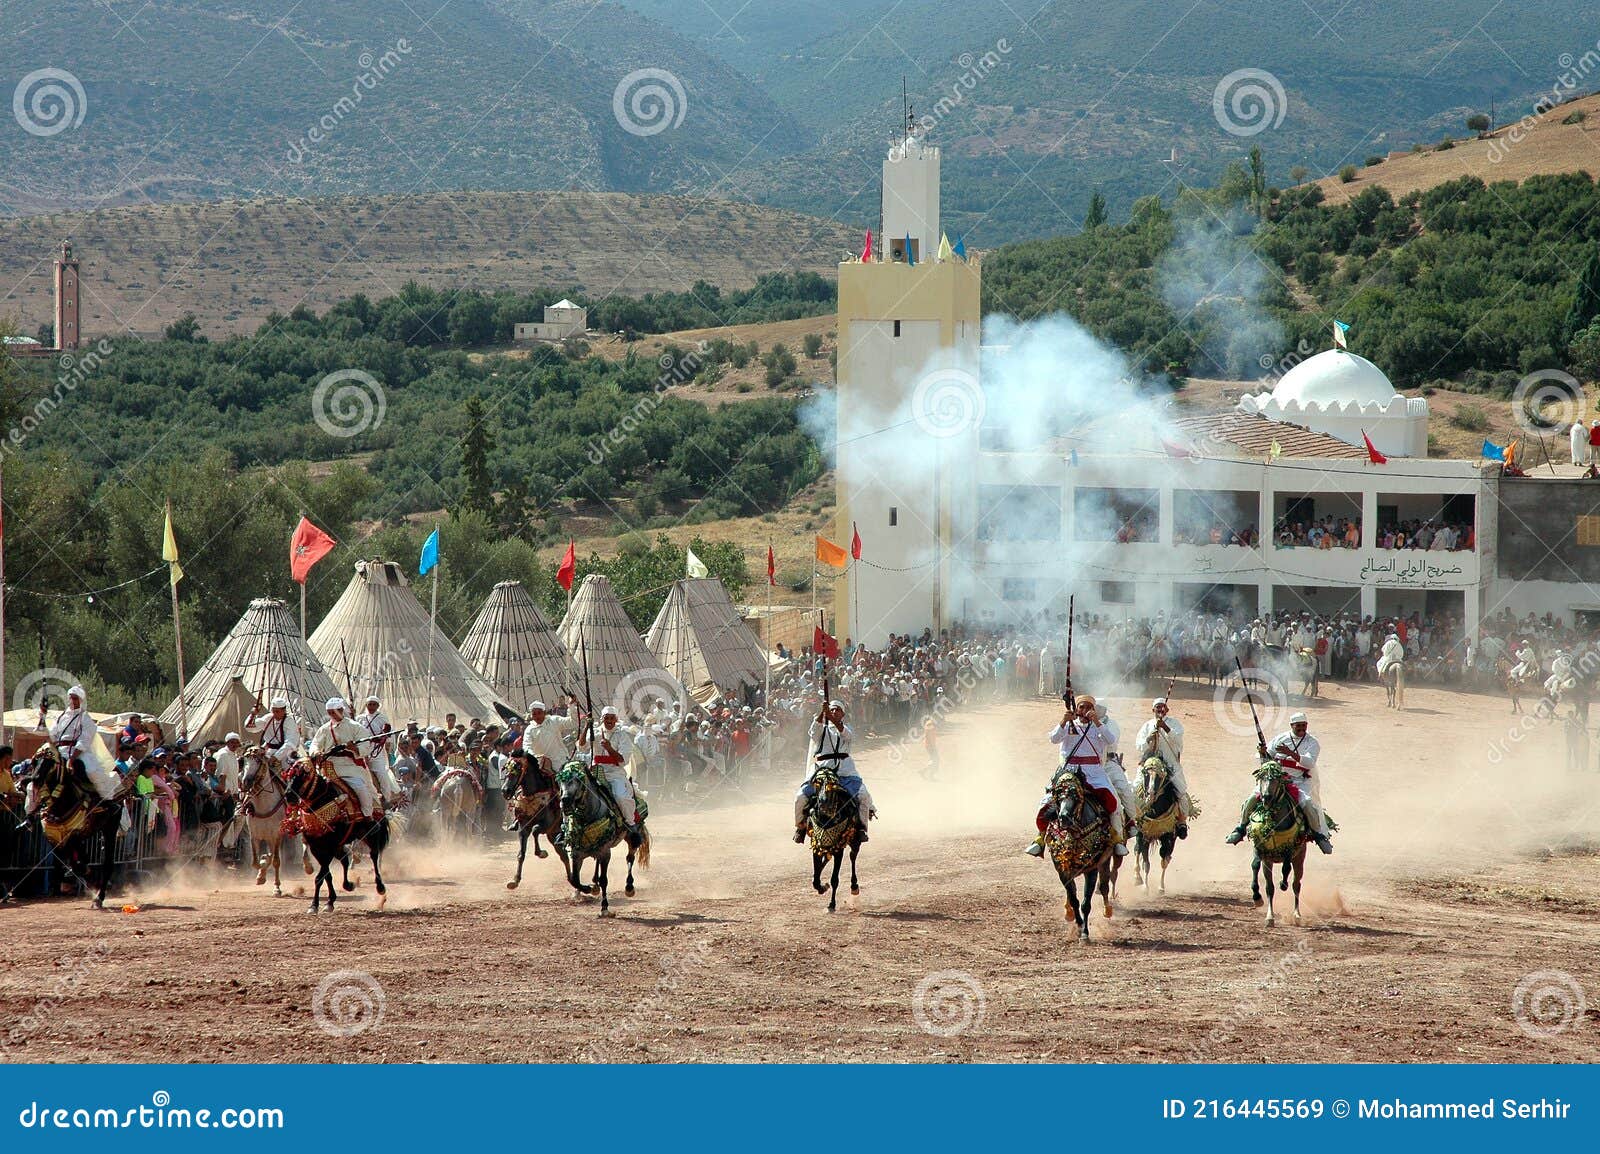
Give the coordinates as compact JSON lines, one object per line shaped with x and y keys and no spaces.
{"x":960,"y":247}
{"x":430,"y":553}
{"x":911,"y":258}
{"x":1074,"y":458}
{"x":1493,"y":451}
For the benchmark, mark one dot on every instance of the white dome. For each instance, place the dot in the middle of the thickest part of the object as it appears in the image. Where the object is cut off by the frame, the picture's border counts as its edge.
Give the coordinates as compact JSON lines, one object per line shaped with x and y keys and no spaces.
{"x":1334,"y":377}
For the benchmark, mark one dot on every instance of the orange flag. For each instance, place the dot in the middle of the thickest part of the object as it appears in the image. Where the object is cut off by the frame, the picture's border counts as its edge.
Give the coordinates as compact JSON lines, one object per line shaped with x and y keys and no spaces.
{"x":830,"y":554}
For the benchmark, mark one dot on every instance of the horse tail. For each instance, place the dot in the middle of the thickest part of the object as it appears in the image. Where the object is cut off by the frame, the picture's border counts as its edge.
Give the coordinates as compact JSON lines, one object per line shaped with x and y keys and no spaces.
{"x":642,"y":856}
{"x":397,"y":821}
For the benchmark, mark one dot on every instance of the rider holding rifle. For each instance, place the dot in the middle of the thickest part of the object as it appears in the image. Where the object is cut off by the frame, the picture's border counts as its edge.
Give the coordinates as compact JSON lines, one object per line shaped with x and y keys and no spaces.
{"x":1297,"y":751}
{"x":830,"y":740}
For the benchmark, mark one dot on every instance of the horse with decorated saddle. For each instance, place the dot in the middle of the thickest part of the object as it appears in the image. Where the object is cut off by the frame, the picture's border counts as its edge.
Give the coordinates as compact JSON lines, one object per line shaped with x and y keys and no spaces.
{"x":71,"y":812}
{"x":327,"y":814}
{"x":591,"y":825}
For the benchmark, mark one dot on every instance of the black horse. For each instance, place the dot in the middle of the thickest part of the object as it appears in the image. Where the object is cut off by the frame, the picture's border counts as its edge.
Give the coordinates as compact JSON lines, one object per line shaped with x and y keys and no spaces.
{"x":72,"y":813}
{"x":834,"y":826}
{"x":535,"y":805}
{"x":327,"y":825}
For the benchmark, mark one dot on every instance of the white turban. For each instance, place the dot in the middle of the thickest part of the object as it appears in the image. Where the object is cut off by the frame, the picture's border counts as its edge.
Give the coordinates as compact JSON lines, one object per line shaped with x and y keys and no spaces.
{"x":536,"y":706}
{"x":231,"y":737}
{"x":334,"y":703}
{"x":608,"y":711}
{"x":1298,"y":719}
{"x":77,"y":691}
{"x":280,"y":702}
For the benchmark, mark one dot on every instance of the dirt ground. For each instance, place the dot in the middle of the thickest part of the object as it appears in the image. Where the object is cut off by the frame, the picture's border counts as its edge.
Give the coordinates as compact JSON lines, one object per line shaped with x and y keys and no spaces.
{"x":1463,"y":886}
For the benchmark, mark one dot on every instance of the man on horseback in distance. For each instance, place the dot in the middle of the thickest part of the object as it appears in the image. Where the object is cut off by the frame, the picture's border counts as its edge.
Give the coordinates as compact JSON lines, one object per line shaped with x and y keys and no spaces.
{"x":1084,"y":742}
{"x":1297,"y":751}
{"x":349,"y":767}
{"x":613,"y":751}
{"x":280,"y":733}
{"x":1162,"y":736}
{"x":830,"y":741}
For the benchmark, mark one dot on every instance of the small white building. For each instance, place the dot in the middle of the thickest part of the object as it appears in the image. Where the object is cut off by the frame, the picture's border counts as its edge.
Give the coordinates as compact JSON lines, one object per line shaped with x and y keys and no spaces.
{"x":561,"y":321}
{"x":1343,"y":395}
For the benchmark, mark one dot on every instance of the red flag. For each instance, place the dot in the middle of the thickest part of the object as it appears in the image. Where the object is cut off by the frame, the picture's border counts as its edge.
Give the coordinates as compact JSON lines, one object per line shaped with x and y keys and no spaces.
{"x":824,"y":643}
{"x":855,"y":541}
{"x":772,"y":567}
{"x":1373,"y":456}
{"x":308,"y":546}
{"x":1175,"y":450}
{"x":569,"y":567}
{"x":866,"y":249}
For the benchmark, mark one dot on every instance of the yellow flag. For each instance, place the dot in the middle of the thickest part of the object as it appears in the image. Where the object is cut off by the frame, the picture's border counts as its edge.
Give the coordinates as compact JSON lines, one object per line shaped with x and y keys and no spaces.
{"x":830,"y":554}
{"x":169,"y":550}
{"x":945,"y":252}
{"x":1277,"y":450}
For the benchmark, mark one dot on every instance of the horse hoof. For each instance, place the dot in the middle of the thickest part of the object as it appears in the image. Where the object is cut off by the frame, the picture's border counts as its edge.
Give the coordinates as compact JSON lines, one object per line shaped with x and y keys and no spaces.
{"x":607,"y":913}
{"x":309,"y":871}
{"x":1256,"y":902}
{"x":98,"y":904}
{"x":628,"y":891}
{"x":541,"y":853}
{"x":277,"y":891}
{"x":1162,"y":888}
{"x":1106,"y":911}
{"x":511,"y":885}
{"x":1271,"y":921}
{"x":383,"y":900}
{"x":349,"y":887}
{"x":261,"y":881}
{"x":1297,"y":917}
{"x":819,"y":889}
{"x":855,"y":889}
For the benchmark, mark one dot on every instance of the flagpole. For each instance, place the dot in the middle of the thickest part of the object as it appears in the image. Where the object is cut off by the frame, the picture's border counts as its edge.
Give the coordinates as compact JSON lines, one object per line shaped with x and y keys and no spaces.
{"x":766,"y":688}
{"x":433,"y":623}
{"x":177,"y":636}
{"x":302,"y":611}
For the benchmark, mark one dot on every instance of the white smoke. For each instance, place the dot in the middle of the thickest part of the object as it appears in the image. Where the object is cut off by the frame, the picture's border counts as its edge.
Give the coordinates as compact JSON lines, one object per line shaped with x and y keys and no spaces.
{"x":1215,"y":283}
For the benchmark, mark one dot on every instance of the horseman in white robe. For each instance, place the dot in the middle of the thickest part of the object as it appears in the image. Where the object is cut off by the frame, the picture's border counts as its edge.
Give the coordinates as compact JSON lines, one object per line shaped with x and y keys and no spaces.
{"x":1561,"y":678}
{"x":72,"y":735}
{"x":278,"y":733}
{"x":1392,"y":654}
{"x":379,"y":741}
{"x":1527,"y":663}
{"x":1162,"y":736}
{"x":830,"y":739}
{"x":1083,"y":742}
{"x":545,"y":736}
{"x":1297,"y":751}
{"x":613,"y":750}
{"x":349,"y":767}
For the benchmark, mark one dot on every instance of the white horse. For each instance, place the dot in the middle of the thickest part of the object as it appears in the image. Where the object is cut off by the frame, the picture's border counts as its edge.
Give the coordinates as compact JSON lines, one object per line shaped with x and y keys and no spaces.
{"x":458,"y":804}
{"x":261,"y":797}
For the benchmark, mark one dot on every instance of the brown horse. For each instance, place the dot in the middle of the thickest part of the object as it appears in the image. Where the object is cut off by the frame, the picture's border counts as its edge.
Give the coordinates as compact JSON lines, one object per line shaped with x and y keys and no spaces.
{"x":330,"y":820}
{"x":1156,"y":819}
{"x":71,"y":812}
{"x":1077,"y":836}
{"x":535,"y":806}
{"x":833,"y":827}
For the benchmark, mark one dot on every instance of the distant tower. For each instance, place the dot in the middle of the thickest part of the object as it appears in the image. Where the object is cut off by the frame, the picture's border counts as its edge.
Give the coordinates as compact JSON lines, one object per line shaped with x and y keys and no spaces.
{"x":67,"y":333}
{"x":906,"y":333}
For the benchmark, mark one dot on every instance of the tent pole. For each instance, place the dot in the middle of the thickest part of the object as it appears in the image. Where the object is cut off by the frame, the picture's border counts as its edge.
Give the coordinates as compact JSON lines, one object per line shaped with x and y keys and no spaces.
{"x":433,"y":621}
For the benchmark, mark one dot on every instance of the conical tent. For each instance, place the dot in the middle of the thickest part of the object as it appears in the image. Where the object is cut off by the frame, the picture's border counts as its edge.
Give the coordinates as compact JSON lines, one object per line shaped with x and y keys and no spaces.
{"x":266,"y":653}
{"x":227,"y":716}
{"x":377,"y":639}
{"x":516,"y":649}
{"x":622,"y":670}
{"x":699,"y":637}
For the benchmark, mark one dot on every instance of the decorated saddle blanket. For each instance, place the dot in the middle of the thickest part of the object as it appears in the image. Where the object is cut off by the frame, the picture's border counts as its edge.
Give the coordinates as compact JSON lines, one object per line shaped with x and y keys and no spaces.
{"x":458,"y":773}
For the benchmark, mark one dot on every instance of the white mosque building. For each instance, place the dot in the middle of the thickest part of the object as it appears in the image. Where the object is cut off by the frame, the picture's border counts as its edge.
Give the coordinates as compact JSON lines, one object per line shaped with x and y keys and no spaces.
{"x":959,"y":524}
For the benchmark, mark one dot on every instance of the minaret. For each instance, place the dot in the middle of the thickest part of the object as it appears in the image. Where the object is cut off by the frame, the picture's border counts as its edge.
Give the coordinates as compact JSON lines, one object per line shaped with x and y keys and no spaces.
{"x":67,"y":332}
{"x":907,"y":332}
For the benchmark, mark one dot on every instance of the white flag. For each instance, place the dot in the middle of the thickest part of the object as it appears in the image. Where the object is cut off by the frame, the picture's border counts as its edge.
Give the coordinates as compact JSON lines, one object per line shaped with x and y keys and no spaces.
{"x":697,"y":567}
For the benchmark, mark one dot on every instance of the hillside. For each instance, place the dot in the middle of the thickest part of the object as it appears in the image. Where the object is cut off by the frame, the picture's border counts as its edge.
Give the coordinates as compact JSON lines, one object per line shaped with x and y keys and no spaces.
{"x":203,"y":99}
{"x":232,"y":263}
{"x":1565,"y":139}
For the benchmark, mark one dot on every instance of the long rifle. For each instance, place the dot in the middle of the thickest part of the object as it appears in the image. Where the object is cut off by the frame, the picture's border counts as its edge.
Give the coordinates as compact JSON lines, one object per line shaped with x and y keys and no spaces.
{"x":588,"y":698}
{"x":1261,"y":738}
{"x":349,"y":686}
{"x":1067,"y":694}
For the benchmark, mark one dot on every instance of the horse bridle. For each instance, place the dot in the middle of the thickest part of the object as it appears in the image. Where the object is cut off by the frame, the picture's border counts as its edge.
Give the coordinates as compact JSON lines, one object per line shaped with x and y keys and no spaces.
{"x":250,"y":791}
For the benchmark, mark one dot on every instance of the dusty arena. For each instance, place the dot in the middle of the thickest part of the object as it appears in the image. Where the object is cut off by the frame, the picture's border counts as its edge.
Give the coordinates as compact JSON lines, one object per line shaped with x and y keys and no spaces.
{"x":1457,"y":921}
